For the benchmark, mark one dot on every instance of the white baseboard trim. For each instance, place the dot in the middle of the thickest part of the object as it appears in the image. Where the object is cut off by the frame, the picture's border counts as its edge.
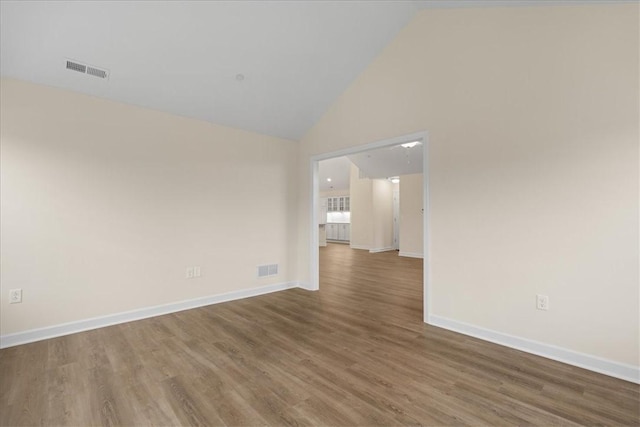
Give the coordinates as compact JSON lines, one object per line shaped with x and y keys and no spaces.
{"x":571,"y":357}
{"x":342,"y":242}
{"x":39,"y":334}
{"x":411,"y":254}
{"x":306,"y":286}
{"x":363,"y":247}
{"x":376,"y":250}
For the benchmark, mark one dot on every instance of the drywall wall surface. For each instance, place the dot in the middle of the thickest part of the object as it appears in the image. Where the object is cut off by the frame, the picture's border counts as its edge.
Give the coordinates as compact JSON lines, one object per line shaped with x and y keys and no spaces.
{"x":334,"y":193}
{"x":360,"y":193}
{"x":322,"y":235}
{"x":532,"y":115}
{"x":371,"y":212}
{"x":382,"y":212}
{"x":411,"y":215}
{"x":105,"y":205}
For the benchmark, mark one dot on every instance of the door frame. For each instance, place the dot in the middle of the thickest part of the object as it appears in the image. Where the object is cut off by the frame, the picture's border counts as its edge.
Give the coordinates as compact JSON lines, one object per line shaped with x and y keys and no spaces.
{"x":396,"y":219}
{"x":314,"y":250}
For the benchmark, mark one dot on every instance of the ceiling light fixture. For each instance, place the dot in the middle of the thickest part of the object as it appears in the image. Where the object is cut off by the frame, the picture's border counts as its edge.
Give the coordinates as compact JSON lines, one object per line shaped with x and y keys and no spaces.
{"x":394,"y":179}
{"x":410,"y":144}
{"x":328,"y":179}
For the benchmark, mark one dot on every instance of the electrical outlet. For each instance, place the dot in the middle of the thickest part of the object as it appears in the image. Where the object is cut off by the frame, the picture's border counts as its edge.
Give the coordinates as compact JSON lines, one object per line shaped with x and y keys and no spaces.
{"x":189,"y":273}
{"x":542,"y":302}
{"x":15,"y":296}
{"x":196,"y":271}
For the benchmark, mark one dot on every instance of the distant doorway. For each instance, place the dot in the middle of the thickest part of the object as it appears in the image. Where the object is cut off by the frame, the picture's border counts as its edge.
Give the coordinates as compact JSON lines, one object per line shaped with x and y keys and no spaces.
{"x":396,"y":220}
{"x":402,"y":141}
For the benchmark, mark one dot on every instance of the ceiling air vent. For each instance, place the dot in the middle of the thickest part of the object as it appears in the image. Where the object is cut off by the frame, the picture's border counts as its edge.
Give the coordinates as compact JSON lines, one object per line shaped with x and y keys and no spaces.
{"x":76,"y":67}
{"x":87,"y":69}
{"x":97,"y":72}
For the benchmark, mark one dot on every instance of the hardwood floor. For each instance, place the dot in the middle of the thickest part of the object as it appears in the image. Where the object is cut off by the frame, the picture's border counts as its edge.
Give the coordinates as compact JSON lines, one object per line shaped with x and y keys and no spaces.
{"x":354,"y":353}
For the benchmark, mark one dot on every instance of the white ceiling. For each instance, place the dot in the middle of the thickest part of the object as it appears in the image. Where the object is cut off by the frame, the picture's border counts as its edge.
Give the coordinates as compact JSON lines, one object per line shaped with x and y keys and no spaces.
{"x":389,"y":161}
{"x":183,"y":57}
{"x":338,"y":170}
{"x":383,"y":163}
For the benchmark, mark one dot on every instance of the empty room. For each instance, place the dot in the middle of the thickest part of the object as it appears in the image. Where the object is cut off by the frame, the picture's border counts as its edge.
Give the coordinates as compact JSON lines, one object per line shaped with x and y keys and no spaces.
{"x":164,"y":211}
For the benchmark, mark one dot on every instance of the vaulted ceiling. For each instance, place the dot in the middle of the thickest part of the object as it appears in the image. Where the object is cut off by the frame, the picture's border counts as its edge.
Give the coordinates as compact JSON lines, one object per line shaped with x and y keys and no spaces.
{"x":271,"y":67}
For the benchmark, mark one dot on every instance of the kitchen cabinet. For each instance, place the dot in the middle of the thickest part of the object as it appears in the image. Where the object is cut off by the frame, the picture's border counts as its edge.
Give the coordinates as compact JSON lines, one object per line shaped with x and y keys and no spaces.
{"x":322,"y":211}
{"x":344,"y":232}
{"x":339,"y":232}
{"x":332,"y":231}
{"x":339,"y":204}
{"x":330,"y":204}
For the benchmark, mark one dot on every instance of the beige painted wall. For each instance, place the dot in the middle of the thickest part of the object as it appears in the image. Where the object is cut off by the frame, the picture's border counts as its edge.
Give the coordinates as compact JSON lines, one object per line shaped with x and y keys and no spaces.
{"x":361,"y":200}
{"x":382,"y":212}
{"x":104,"y":205}
{"x":411,"y":216}
{"x":533,"y":121}
{"x":371,"y":212}
{"x":322,"y":235}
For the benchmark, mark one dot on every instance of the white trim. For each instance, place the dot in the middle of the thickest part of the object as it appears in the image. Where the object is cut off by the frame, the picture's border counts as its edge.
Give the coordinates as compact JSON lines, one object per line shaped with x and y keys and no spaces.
{"x":360,"y":247}
{"x":306,"y":286}
{"x":32,"y":335}
{"x":571,"y":357}
{"x":314,"y":267}
{"x":376,"y":250}
{"x":314,"y":250}
{"x":426,"y":234}
{"x":411,"y":254}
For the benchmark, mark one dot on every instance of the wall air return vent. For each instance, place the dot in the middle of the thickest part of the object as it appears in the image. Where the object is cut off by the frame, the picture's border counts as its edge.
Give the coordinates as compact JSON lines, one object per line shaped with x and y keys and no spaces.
{"x":267,"y":270}
{"x":87,"y":69}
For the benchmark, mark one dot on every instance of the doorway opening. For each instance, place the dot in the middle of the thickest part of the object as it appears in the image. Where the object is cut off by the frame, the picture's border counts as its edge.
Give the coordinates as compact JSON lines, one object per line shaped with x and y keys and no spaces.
{"x":396,"y":220}
{"x":401,"y":141}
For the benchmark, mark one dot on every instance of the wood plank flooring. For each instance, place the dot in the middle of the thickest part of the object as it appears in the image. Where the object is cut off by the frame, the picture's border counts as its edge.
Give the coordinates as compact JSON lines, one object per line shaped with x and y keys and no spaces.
{"x":354,"y":353}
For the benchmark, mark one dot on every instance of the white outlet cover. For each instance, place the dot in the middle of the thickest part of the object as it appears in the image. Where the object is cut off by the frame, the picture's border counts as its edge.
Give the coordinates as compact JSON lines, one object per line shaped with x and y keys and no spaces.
{"x":542,"y":302}
{"x":15,"y":296}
